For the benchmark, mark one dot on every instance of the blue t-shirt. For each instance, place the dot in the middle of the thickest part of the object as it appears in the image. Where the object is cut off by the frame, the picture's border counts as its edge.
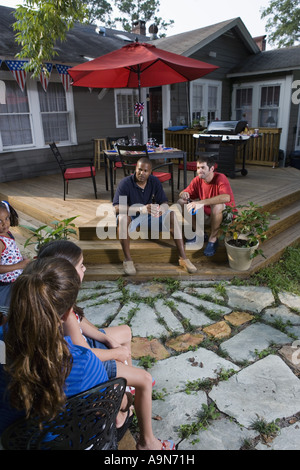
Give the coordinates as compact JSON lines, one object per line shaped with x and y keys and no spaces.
{"x":136,"y":195}
{"x":87,"y":371}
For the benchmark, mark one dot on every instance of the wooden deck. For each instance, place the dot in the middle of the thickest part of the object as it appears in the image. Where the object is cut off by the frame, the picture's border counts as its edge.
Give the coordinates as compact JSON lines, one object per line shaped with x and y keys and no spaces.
{"x":40,"y":200}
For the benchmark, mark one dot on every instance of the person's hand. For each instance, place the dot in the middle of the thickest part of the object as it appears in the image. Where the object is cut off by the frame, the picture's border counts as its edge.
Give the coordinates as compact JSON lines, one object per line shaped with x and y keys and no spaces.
{"x":154,"y":210}
{"x":185,"y":195}
{"x":121,"y":354}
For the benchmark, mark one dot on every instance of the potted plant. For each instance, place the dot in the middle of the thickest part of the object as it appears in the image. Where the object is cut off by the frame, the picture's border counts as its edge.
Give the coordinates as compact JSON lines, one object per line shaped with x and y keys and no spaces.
{"x":57,"y":230}
{"x":243,"y":229}
{"x":202,"y":121}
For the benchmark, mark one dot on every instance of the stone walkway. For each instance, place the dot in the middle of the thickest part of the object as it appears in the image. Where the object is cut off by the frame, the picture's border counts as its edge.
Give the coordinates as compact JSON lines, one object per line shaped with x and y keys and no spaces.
{"x":240,"y":343}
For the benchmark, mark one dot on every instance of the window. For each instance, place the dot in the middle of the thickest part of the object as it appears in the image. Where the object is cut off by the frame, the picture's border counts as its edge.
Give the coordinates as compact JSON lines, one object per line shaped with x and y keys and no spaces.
{"x":243,"y":108}
{"x":269,"y":106}
{"x":206,"y":99}
{"x":15,"y":119}
{"x":261,"y":104}
{"x":54,"y":113}
{"x":33,"y":118}
{"x":125,"y":101}
{"x":197,"y":101}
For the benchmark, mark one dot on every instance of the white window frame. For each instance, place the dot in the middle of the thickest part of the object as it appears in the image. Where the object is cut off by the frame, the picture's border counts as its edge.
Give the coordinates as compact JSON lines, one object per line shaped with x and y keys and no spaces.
{"x":205,"y":105}
{"x":284,"y":103}
{"x":36,"y":115}
{"x":126,"y":92}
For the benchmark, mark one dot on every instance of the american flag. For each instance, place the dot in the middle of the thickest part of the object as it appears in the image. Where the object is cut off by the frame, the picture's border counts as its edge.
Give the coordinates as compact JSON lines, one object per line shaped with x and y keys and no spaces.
{"x":16,"y":68}
{"x":64,"y":76}
{"x":44,"y":79}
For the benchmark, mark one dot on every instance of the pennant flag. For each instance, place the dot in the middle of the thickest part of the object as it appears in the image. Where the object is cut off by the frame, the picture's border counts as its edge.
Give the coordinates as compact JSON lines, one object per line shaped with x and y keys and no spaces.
{"x":44,"y":78}
{"x":16,"y":68}
{"x":64,"y":76}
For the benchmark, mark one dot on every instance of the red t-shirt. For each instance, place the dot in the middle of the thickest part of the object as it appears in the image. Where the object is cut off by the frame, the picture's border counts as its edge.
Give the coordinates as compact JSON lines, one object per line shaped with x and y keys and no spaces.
{"x":199,"y":189}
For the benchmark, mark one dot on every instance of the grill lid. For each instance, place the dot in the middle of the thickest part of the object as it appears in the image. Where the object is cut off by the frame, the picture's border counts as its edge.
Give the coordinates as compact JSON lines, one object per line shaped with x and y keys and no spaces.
{"x":226,"y":127}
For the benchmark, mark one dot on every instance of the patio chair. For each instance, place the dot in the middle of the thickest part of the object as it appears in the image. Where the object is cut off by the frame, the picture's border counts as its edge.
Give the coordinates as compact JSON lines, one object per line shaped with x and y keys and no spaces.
{"x":129,"y":163}
{"x":87,"y":422}
{"x":208,"y":146}
{"x":111,"y":142}
{"x":74,"y":169}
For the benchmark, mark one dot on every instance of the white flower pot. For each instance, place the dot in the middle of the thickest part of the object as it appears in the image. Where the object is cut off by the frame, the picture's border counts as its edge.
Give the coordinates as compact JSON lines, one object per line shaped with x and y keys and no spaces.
{"x":239,"y":257}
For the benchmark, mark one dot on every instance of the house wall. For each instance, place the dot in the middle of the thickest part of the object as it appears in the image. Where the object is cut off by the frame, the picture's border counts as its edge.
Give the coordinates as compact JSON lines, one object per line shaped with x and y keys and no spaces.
{"x":94,"y":118}
{"x":228,"y":51}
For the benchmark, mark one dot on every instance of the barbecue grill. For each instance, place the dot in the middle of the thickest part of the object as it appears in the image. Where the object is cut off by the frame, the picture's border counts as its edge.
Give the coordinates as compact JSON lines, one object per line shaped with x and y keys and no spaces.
{"x":225,"y":148}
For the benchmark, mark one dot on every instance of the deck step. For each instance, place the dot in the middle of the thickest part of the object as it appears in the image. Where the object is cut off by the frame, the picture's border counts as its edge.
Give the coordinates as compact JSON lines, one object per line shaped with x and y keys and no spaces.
{"x":208,"y":268}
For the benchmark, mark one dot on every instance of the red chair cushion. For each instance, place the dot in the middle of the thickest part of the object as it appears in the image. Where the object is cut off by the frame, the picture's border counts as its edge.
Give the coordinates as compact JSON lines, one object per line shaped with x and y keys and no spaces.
{"x":162,"y":176}
{"x":76,"y":173}
{"x":118,"y":164}
{"x":192,"y":166}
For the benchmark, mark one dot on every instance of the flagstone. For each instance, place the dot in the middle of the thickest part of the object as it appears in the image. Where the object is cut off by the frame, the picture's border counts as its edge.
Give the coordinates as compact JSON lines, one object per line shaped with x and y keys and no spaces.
{"x":238,"y":318}
{"x":185,"y":341}
{"x":141,"y":347}
{"x":251,"y":298}
{"x":218,"y":330}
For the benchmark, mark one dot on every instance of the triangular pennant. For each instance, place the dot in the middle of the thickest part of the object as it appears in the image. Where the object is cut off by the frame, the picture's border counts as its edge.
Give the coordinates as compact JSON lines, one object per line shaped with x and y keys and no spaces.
{"x":44,"y":78}
{"x":64,"y":76}
{"x":16,"y":68}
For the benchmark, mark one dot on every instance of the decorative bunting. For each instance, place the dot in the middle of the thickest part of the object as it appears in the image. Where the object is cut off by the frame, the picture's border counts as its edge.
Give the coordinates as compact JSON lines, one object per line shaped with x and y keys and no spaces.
{"x":64,"y":76}
{"x":16,"y":68}
{"x":44,"y":78}
{"x":138,"y":108}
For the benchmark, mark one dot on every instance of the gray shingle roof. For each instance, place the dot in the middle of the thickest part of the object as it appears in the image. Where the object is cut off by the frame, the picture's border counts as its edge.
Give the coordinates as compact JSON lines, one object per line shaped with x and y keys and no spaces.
{"x":287,"y":58}
{"x":189,"y":42}
{"x":82,"y":40}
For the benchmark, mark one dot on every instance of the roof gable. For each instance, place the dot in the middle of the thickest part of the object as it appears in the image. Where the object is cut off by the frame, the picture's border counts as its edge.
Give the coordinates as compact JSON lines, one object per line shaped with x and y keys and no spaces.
{"x":189,"y":42}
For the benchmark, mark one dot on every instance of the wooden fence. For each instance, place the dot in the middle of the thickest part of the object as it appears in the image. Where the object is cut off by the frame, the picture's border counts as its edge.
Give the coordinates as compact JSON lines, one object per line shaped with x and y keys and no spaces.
{"x":259,"y":151}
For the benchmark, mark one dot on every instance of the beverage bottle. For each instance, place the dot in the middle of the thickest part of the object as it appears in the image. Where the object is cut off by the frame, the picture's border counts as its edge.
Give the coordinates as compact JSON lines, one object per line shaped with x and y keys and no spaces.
{"x":194,"y":212}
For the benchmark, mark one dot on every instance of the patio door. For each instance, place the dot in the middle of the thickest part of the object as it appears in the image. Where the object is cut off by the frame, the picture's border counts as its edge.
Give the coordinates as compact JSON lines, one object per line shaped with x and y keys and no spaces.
{"x":154,"y":114}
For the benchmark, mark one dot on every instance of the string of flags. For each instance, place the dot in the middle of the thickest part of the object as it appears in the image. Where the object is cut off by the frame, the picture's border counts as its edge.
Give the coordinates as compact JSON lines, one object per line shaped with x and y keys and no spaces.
{"x":17,"y":69}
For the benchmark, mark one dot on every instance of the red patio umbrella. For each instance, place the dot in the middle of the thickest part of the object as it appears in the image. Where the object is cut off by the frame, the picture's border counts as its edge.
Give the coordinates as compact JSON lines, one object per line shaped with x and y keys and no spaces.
{"x":138,"y":65}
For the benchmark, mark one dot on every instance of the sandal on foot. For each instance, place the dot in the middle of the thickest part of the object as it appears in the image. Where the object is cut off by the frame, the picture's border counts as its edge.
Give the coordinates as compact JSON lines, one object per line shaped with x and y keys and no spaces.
{"x":211,"y":248}
{"x":129,"y":268}
{"x":165,"y":443}
{"x":187,"y":265}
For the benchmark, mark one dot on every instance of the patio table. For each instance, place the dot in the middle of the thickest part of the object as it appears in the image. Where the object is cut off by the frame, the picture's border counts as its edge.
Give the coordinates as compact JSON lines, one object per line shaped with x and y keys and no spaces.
{"x":166,"y":153}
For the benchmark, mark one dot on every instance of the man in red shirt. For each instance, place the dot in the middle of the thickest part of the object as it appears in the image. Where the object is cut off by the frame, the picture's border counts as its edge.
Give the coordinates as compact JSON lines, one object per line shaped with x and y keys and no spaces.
{"x":211,"y":190}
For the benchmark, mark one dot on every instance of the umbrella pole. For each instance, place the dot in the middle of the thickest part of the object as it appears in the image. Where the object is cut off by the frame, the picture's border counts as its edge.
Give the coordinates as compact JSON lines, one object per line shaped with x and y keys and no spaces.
{"x":141,"y":117}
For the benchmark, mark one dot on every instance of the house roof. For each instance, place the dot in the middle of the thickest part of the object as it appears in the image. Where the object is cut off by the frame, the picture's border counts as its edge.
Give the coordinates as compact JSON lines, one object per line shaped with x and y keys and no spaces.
{"x":82,"y":40}
{"x":189,"y":42}
{"x":276,"y":60}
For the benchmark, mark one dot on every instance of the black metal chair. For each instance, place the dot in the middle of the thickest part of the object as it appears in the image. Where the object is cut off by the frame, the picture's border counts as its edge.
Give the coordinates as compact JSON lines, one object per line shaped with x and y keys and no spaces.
{"x":74,"y":169}
{"x":207,"y":146}
{"x":87,"y":422}
{"x":129,"y":162}
{"x":128,"y":159}
{"x":111,"y":142}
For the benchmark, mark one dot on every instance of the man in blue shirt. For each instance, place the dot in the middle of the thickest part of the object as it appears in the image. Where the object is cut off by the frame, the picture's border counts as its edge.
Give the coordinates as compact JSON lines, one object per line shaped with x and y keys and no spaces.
{"x":140,"y":201}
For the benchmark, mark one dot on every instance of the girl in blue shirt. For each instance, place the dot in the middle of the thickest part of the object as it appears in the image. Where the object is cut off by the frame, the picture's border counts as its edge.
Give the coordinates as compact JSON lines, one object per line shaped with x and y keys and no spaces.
{"x":42,"y":367}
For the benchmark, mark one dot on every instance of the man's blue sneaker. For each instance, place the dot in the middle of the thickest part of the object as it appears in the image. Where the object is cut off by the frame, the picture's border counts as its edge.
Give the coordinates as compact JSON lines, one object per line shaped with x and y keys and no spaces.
{"x":211,"y":248}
